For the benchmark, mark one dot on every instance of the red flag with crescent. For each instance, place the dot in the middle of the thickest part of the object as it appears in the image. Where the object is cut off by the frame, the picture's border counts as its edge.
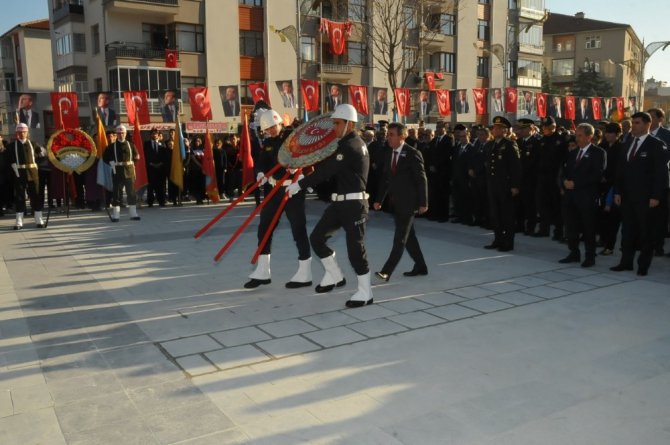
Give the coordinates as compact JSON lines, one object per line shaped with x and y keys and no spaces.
{"x":430,"y":80}
{"x":619,"y":105}
{"x":310,"y":94}
{"x":66,"y":110}
{"x":359,"y":98}
{"x":511,"y":99}
{"x":480,"y":100}
{"x":137,"y":106}
{"x":337,"y":33}
{"x":141,"y":177}
{"x":201,"y":106}
{"x":402,"y":101}
{"x":439,"y":76}
{"x":171,"y":57}
{"x":541,"y":104}
{"x":443,"y":102}
{"x":570,"y":107}
{"x":259,"y":91}
{"x":597,"y":108}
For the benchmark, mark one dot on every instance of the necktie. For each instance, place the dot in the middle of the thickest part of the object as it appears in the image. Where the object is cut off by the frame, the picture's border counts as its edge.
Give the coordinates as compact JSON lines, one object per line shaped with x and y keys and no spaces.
{"x":580,"y":154}
{"x":155,"y":147}
{"x":633,"y":151}
{"x":394,"y":164}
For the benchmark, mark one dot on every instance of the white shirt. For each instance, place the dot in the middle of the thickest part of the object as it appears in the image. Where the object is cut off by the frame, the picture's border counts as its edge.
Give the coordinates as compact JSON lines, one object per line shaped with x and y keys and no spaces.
{"x":640,"y":140}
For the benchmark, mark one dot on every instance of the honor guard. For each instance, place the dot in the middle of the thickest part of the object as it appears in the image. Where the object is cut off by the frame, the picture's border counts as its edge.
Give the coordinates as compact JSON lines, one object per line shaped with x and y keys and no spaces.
{"x":23,"y":157}
{"x":121,"y":156}
{"x":528,"y":146}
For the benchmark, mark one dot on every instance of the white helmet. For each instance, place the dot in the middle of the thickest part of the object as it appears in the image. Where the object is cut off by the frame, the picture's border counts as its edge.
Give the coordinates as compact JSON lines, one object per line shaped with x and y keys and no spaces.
{"x":345,"y":112}
{"x":269,"y":119}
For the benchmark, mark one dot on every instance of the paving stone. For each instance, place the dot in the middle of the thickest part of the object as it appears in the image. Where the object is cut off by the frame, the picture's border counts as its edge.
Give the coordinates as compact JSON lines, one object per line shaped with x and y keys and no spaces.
{"x":334,"y":336}
{"x":571,"y":286}
{"x":578,"y":271}
{"x":233,"y":436}
{"x":517,"y":298}
{"x":195,"y":365}
{"x":486,"y":305}
{"x":242,"y":336}
{"x":330,"y":319}
{"x":404,"y":305}
{"x":545,"y":292}
{"x":236,"y":356}
{"x":599,"y":280}
{"x":440,"y":298}
{"x":553,"y":276}
{"x":529,"y":281}
{"x":129,"y":432}
{"x":371,"y":312}
{"x":21,"y":377}
{"x":415,"y":320}
{"x":166,"y":396}
{"x":37,"y":427}
{"x":502,"y":286}
{"x":84,"y":387}
{"x":453,"y":312}
{"x":6,"y":406}
{"x":377,"y":327}
{"x":191,"y":345}
{"x":31,"y":398}
{"x":88,"y":414}
{"x":287,"y":328}
{"x":472,"y":292}
{"x":283,"y":347}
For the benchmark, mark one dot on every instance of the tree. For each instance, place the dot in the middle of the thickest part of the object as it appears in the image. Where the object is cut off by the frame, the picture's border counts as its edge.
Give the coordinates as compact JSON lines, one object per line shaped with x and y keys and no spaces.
{"x":547,"y":83}
{"x":590,"y":84}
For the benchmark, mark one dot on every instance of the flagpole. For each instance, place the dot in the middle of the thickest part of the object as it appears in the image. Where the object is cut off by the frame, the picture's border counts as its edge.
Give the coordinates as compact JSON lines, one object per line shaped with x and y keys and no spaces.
{"x":299,"y":56}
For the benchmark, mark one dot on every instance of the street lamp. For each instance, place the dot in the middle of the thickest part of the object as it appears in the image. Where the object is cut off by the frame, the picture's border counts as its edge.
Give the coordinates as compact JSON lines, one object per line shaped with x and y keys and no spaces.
{"x":649,"y":50}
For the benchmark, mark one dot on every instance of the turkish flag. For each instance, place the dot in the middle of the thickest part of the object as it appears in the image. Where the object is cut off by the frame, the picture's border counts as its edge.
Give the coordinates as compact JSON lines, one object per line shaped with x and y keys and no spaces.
{"x":570,"y":107}
{"x":541,"y":104}
{"x":141,"y":178}
{"x":137,"y":106}
{"x":259,"y":91}
{"x":245,"y":155}
{"x":443,"y":102}
{"x":402,"y":101}
{"x":201,"y":105}
{"x":171,"y":57}
{"x":359,"y":98}
{"x":66,"y":110}
{"x":430,"y":79}
{"x":310,"y":94}
{"x":337,"y":33}
{"x":619,"y":106}
{"x":597,"y":108}
{"x":439,"y":76}
{"x":480,"y":100}
{"x":511,"y":99}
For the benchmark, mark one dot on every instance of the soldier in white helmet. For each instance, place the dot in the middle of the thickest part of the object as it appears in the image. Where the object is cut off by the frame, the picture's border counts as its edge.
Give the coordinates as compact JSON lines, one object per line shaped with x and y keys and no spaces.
{"x":121,"y":156}
{"x":271,"y":125}
{"x":349,"y":209}
{"x":23,"y":156}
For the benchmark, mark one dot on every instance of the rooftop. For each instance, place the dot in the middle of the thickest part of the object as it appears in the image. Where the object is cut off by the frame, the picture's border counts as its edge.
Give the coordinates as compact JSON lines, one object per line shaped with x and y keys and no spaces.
{"x":568,"y":24}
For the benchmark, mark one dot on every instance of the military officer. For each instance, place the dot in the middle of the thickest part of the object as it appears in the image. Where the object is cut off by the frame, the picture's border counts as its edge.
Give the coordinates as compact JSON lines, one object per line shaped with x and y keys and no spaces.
{"x":528,"y":146}
{"x":121,"y":156}
{"x":23,"y":157}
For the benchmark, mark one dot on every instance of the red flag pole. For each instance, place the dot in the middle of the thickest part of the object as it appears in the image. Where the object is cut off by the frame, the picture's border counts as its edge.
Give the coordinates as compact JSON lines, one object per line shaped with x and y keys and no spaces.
{"x":246,"y":193}
{"x":246,"y":222}
{"x":275,"y":220}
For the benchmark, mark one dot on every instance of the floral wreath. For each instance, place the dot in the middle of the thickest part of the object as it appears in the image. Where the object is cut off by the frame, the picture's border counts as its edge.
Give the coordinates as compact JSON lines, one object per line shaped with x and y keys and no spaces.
{"x":71,"y":150}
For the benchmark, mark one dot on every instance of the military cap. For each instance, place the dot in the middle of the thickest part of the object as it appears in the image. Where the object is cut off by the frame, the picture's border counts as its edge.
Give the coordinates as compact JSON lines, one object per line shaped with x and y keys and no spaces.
{"x":548,"y":121}
{"x":525,"y":123}
{"x":499,"y":120}
{"x":383,"y":123}
{"x":460,"y":127}
{"x":21,"y":127}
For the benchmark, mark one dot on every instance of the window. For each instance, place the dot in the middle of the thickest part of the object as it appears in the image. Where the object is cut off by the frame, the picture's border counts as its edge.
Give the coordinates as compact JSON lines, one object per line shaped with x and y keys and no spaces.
{"x":251,"y":2}
{"x":536,"y":5}
{"x":591,"y":66}
{"x":95,"y":39}
{"x":533,"y":37}
{"x":190,"y":38}
{"x":97,"y":84}
{"x":357,"y":10}
{"x":308,"y":48}
{"x":251,"y":43}
{"x":154,"y":36}
{"x":529,"y":73}
{"x":484,"y":2}
{"x":563,"y":67}
{"x":443,"y":23}
{"x":64,"y":45}
{"x":482,"y":29}
{"x":482,"y":67}
{"x":513,"y":4}
{"x":410,"y":58}
{"x":410,"y":17}
{"x":73,"y":82}
{"x":592,"y":42}
{"x":190,"y":82}
{"x":7,"y":82}
{"x":79,"y":42}
{"x":123,"y":79}
{"x":443,"y":62}
{"x":357,"y":52}
{"x":563,"y":43}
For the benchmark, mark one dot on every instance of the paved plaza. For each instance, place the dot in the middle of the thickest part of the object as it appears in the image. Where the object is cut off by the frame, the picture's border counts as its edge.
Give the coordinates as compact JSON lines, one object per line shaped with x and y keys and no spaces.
{"x":129,"y":333}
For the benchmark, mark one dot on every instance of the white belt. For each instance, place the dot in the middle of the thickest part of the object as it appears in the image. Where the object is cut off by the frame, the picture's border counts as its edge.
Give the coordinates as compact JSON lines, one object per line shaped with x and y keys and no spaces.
{"x":27,"y":166}
{"x":349,"y":196}
{"x":125,"y":163}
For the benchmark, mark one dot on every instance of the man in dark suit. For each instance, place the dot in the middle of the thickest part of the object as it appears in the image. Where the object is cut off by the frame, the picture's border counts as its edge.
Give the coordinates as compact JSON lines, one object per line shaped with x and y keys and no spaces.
{"x":381,"y":107}
{"x":583,"y":110}
{"x":157,"y":158}
{"x":105,"y":113}
{"x":334,"y":98}
{"x":404,"y":180}
{"x":26,"y":113}
{"x":169,"y":110}
{"x":659,"y":132}
{"x":555,"y":109}
{"x":231,"y":105}
{"x":460,"y":179}
{"x":462,"y":105}
{"x":438,"y":169}
{"x":581,"y":176}
{"x":424,"y":103}
{"x":641,"y":182}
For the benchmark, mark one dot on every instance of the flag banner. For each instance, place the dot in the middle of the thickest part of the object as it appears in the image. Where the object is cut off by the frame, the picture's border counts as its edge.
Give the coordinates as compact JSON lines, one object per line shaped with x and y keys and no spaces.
{"x":439,"y":76}
{"x":104,"y":173}
{"x":620,"y":105}
{"x":177,"y":158}
{"x":597,"y":108}
{"x":570,"y":109}
{"x":443,"y":102}
{"x":259,"y":91}
{"x":141,"y":179}
{"x":171,"y":58}
{"x":359,"y":98}
{"x":480,"y":100}
{"x":137,"y":106}
{"x":511,"y":99}
{"x":209,"y":171}
{"x":66,"y":110}
{"x":310,"y":94}
{"x":430,"y":80}
{"x":337,"y":33}
{"x":101,"y":137}
{"x":541,"y":104}
{"x":201,"y":105}
{"x":402,"y":101}
{"x":247,"y":160}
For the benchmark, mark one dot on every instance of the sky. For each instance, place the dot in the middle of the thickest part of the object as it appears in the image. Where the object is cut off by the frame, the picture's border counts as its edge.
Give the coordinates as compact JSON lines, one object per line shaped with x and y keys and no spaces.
{"x":647,"y":17}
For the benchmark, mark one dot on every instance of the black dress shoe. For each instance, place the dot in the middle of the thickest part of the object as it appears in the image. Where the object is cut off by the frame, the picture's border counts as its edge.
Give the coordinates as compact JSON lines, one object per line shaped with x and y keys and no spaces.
{"x":540,"y":234}
{"x":135,"y":218}
{"x":383,"y":276}
{"x":323,"y":289}
{"x":254,"y":283}
{"x":505,"y":248}
{"x":358,"y":303}
{"x":642,"y":272}
{"x":491,"y":246}
{"x":18,"y":227}
{"x":40,"y":226}
{"x":589,"y":262}
{"x":115,"y":219}
{"x":296,"y":284}
{"x":569,"y":259}
{"x":620,"y":268}
{"x":416,"y":272}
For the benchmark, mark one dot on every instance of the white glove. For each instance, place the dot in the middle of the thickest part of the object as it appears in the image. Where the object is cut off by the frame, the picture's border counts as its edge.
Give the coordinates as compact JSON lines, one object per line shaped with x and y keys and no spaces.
{"x":15,"y":168}
{"x":300,"y":177}
{"x":292,"y":170}
{"x":260,"y":176}
{"x":112,"y":164}
{"x":292,"y":189}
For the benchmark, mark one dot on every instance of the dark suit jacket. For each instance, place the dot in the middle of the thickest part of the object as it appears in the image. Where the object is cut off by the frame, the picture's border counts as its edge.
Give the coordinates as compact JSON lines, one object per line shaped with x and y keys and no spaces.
{"x":664,"y":135}
{"x":330,"y":104}
{"x":584,"y":116}
{"x":167,"y":113}
{"x":646,"y":176}
{"x":381,"y":108}
{"x":228,"y":110}
{"x":408,"y":187}
{"x":111,"y":117}
{"x":462,"y":107}
{"x":34,"y":118}
{"x":587,"y":174}
{"x":157,"y":160}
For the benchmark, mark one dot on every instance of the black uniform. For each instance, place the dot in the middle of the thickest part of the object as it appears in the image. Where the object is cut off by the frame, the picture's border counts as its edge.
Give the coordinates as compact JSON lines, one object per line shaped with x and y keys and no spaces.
{"x":124,"y":155}
{"x":610,"y":215}
{"x":478,"y":189}
{"x":460,"y":183}
{"x":158,"y":163}
{"x":349,"y":165}
{"x":503,"y":168}
{"x":438,"y":171}
{"x":26,"y":155}
{"x":550,"y":156}
{"x":526,"y":204}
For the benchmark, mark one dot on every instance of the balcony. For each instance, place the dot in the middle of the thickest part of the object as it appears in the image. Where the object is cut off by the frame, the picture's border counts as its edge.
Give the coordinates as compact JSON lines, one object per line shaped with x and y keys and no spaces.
{"x":71,"y":11}
{"x":531,"y":49}
{"x":133,"y":50}
{"x":332,"y":71}
{"x":144,"y":7}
